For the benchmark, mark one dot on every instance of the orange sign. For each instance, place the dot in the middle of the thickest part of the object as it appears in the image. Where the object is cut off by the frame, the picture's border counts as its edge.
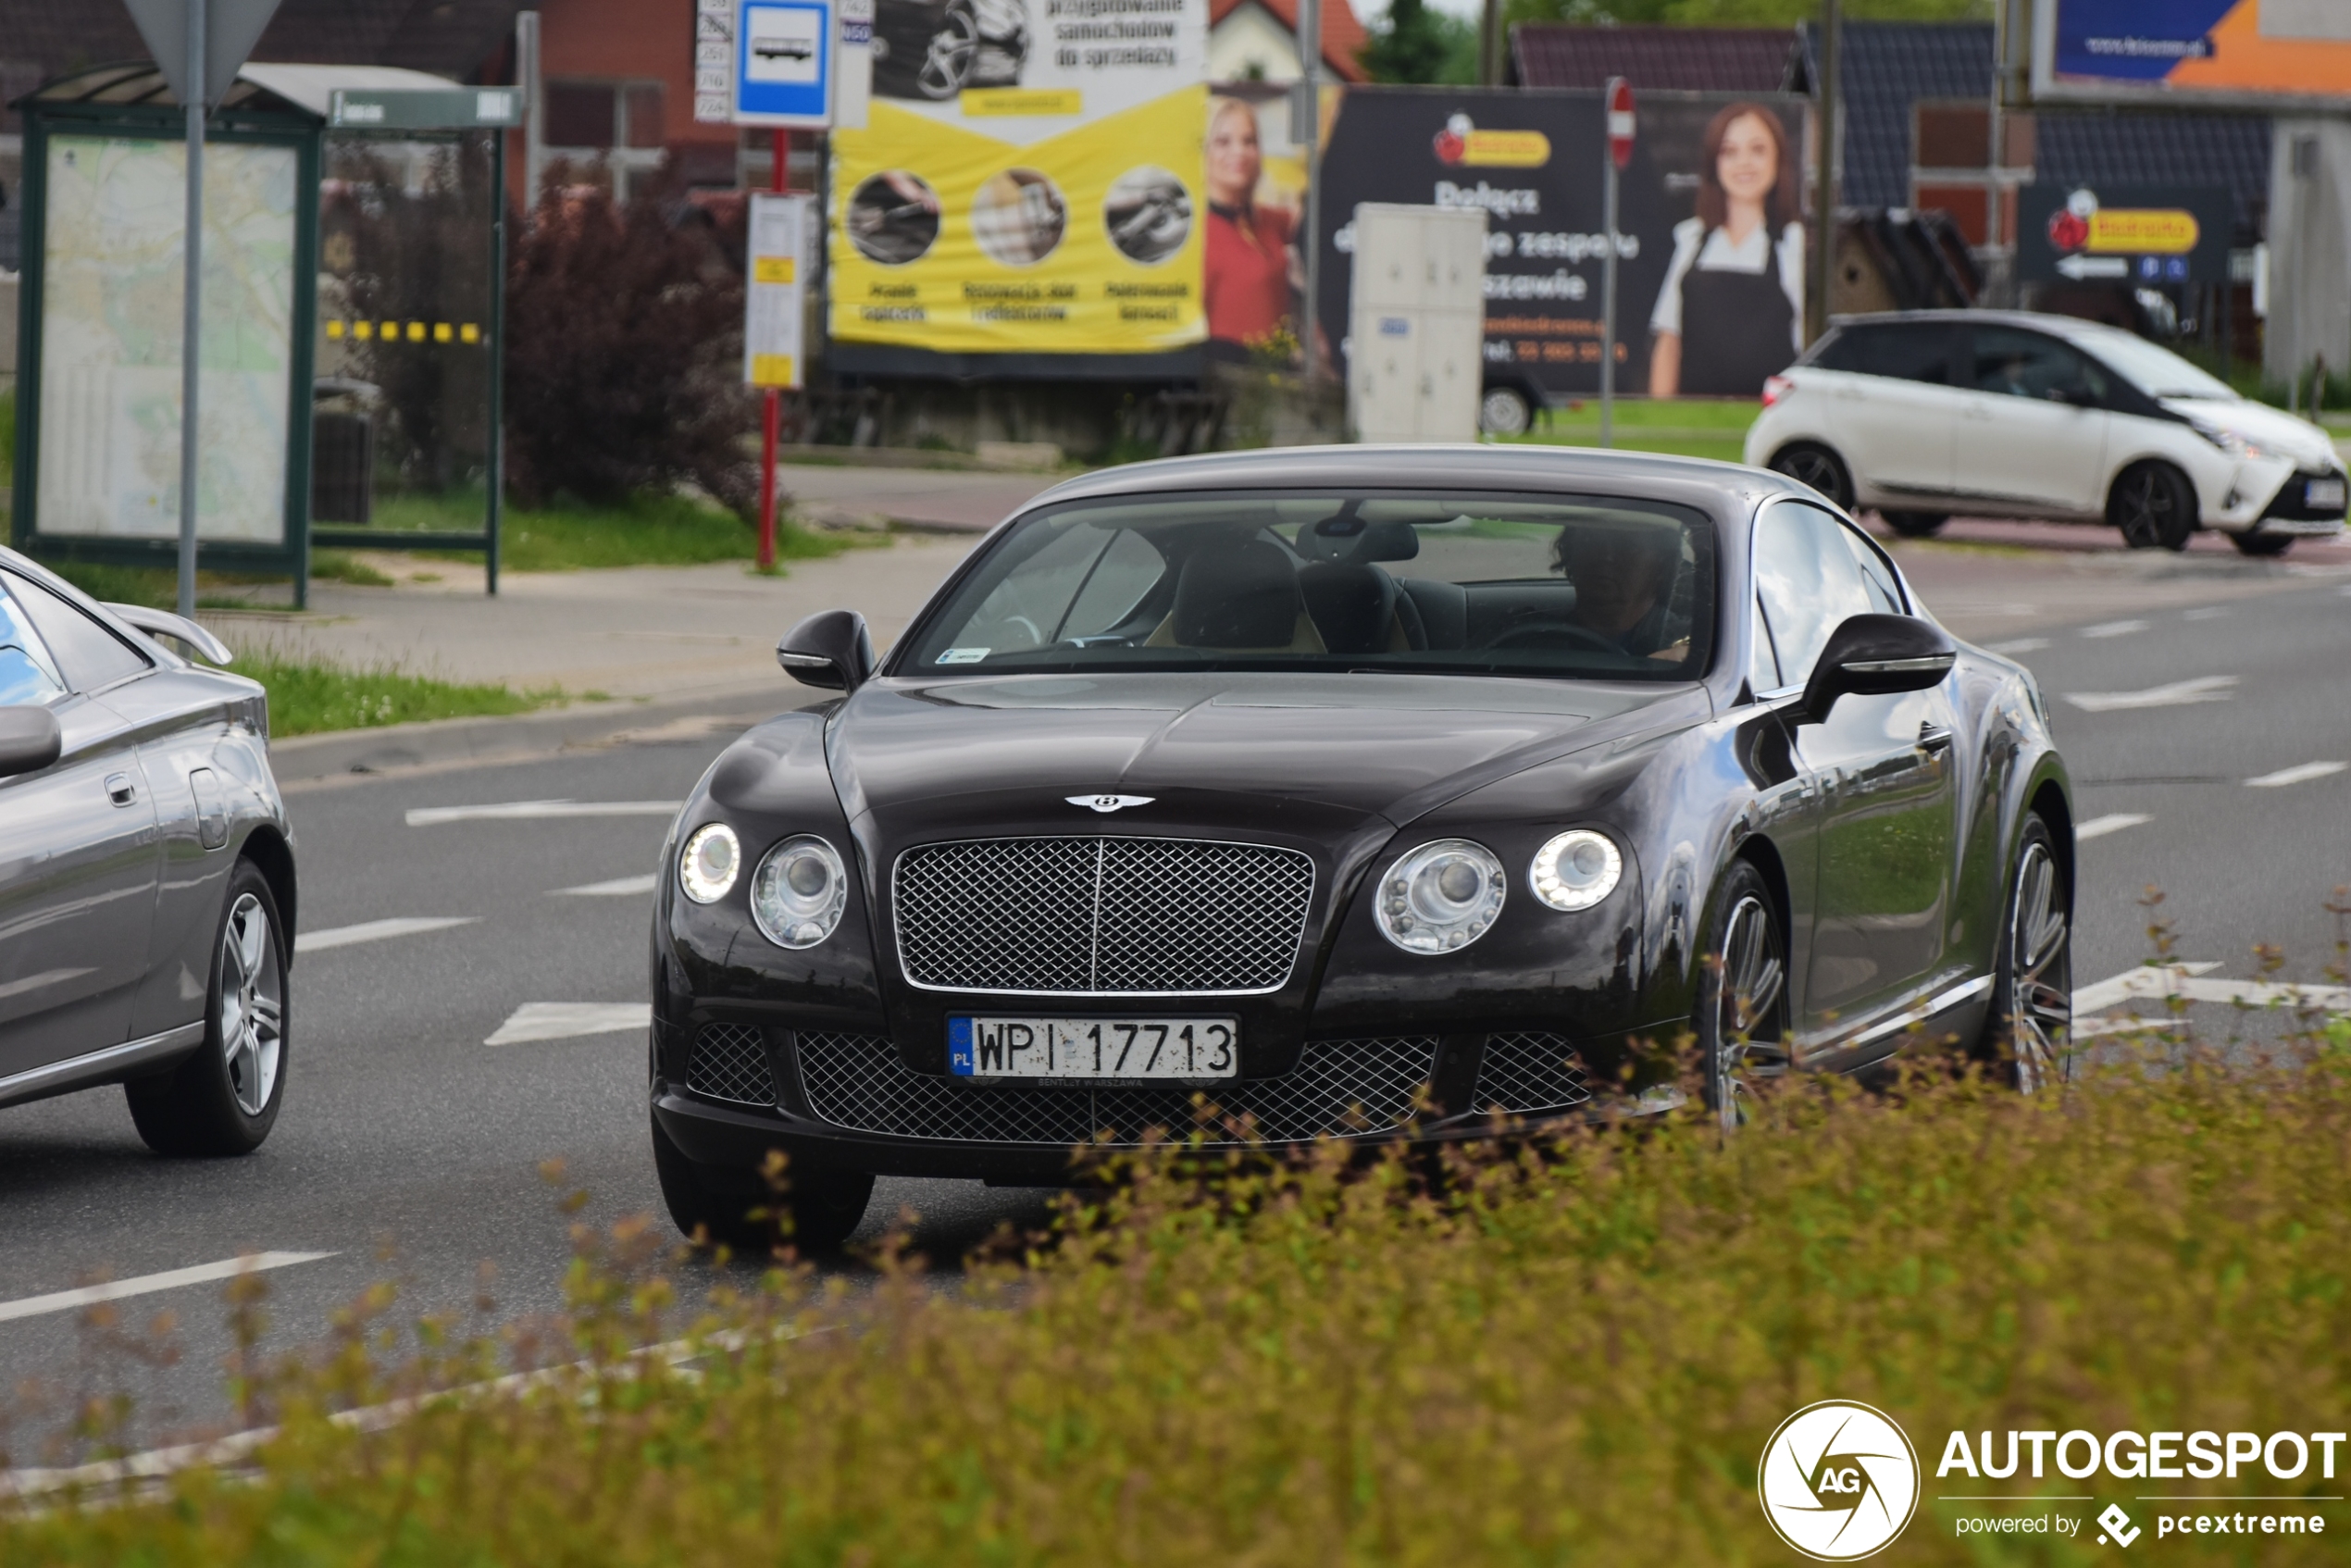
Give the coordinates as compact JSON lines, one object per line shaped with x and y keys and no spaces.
{"x":2142,"y":230}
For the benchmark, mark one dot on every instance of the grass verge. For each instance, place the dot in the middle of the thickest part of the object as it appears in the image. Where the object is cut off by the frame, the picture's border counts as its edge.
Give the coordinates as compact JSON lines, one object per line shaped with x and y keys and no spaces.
{"x":310,"y":696}
{"x":651,"y":531}
{"x":1565,"y":1354}
{"x":1683,"y":427}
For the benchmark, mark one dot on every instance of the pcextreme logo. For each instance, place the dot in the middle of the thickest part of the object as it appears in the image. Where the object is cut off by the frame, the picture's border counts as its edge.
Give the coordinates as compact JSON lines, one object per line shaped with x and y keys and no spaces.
{"x":1839,"y":1481}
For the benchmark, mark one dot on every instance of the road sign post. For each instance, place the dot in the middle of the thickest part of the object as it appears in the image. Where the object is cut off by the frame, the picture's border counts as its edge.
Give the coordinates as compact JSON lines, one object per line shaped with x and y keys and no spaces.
{"x":1620,"y":154}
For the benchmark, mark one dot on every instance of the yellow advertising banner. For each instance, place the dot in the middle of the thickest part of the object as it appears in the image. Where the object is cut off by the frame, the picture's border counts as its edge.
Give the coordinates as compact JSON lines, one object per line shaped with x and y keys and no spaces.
{"x":1084,"y":241}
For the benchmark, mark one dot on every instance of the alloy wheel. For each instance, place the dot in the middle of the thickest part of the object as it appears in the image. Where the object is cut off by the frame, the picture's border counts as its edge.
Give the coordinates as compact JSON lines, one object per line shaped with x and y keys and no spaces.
{"x":1814,"y":466}
{"x":2040,"y":970}
{"x":253,"y":1005}
{"x":1750,"y":1017}
{"x":2147,"y":511}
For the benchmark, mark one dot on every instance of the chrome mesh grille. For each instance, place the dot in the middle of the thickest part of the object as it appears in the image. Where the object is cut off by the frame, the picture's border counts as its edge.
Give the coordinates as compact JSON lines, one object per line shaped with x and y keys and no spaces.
{"x":1340,"y":1088}
{"x":729,"y":1061}
{"x":1526,"y":1073}
{"x":1102,"y":916}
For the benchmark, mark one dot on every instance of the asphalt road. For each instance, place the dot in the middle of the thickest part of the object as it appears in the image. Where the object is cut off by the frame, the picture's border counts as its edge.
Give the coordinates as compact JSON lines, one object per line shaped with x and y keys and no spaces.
{"x":408,"y":1148}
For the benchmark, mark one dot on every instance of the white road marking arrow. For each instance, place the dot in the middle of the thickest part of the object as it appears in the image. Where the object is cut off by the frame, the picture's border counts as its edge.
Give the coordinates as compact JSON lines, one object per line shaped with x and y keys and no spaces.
{"x":618,"y":888}
{"x":569,"y":1020}
{"x":2113,"y":822}
{"x":2301,"y":774}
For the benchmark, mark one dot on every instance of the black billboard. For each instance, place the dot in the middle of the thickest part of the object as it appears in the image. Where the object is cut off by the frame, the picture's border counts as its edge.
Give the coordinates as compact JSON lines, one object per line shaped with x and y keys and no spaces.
{"x":1710,"y":249}
{"x":2141,"y":236}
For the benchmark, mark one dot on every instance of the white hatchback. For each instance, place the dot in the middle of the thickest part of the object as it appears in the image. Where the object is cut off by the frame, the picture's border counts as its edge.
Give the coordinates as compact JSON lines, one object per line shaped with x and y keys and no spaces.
{"x":2005,"y":415}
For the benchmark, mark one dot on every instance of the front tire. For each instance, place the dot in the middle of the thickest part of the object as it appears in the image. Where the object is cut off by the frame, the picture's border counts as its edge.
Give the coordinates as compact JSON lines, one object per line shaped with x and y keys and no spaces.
{"x":1915,"y":525}
{"x":1743,"y":1004}
{"x":2033,"y":979}
{"x":1809,"y":463}
{"x":2153,"y":506}
{"x":816,"y":1213}
{"x":224,"y":1099}
{"x":2262,"y":546}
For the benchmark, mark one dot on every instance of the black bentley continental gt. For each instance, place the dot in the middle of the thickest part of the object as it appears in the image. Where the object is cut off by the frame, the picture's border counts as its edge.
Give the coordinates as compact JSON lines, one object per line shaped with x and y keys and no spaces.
{"x":1308,"y":783}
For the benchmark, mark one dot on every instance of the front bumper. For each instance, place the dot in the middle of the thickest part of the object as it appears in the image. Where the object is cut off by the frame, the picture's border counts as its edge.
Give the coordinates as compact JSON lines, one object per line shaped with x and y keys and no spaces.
{"x":727,"y":1091}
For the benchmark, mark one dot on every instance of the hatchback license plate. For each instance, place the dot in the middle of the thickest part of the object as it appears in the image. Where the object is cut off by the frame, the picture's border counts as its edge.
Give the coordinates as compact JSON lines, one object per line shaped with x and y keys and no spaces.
{"x":2322,"y":493}
{"x":1175,"y":1049}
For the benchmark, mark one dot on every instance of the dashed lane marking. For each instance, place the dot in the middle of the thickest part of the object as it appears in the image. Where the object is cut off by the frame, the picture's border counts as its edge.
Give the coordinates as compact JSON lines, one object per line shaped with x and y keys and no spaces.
{"x":2301,"y":774}
{"x":2203,"y":688}
{"x":2018,"y":645}
{"x":2208,"y":613}
{"x":147,"y":1284}
{"x":512,"y":811}
{"x":377,"y":930}
{"x":2114,"y":629}
{"x":2112,"y":822}
{"x":618,"y":888}
{"x":569,"y":1020}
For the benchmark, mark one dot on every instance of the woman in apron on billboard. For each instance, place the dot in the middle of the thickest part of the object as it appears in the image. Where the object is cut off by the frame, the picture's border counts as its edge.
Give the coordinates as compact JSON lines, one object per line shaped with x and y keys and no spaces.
{"x":1731,"y":313}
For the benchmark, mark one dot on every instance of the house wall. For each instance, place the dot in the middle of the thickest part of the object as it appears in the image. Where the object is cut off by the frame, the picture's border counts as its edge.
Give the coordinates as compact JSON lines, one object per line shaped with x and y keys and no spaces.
{"x":1250,"y":43}
{"x":639,"y":42}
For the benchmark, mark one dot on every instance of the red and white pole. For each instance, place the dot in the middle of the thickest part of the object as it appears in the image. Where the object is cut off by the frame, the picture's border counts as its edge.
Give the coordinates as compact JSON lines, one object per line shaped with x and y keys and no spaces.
{"x":773,"y":414}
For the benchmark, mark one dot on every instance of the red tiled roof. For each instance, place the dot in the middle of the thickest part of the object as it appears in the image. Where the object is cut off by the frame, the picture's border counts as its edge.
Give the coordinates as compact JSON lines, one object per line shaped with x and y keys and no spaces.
{"x":1343,"y":36}
{"x":1685,"y":59}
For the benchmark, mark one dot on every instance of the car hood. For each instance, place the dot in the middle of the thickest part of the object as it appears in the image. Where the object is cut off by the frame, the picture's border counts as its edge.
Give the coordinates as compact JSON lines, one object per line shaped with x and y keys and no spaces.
{"x":1303,"y":756}
{"x":2271,"y":429}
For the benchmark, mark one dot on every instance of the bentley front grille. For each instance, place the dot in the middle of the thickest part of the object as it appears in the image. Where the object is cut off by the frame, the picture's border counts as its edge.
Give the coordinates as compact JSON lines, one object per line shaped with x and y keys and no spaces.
{"x":729,"y":1061}
{"x":1101,"y":916}
{"x":1340,"y":1088}
{"x":1523,"y":1074}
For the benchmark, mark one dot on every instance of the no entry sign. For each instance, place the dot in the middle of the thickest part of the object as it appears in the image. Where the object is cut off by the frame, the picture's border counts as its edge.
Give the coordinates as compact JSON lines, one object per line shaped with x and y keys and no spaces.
{"x":1620,"y":121}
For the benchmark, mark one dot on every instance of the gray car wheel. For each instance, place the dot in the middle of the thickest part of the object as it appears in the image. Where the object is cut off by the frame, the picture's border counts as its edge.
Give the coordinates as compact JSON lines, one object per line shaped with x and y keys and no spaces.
{"x":1504,"y":411}
{"x":2033,"y":983}
{"x":1742,"y":1002}
{"x":224,"y":1098}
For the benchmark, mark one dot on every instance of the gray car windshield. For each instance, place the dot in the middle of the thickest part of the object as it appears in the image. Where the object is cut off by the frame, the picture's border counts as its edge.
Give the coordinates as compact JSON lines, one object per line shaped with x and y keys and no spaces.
{"x":1582,"y":588}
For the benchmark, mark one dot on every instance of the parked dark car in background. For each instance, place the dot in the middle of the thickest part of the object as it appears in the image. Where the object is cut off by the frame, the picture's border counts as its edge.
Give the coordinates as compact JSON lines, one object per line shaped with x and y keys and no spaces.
{"x":146,"y":870}
{"x":1313,"y":782}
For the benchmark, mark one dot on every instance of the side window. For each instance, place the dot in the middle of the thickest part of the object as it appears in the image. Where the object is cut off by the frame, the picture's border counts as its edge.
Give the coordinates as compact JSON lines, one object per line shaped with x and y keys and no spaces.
{"x":1906,"y":351}
{"x":27,"y":674}
{"x":1885,"y":588}
{"x":88,"y":655}
{"x":1806,"y":582}
{"x":2017,"y":362}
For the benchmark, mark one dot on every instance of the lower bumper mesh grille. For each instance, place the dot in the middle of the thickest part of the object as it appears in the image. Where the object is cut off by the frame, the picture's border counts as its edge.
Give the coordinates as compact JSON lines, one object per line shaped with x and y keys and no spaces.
{"x":1526,"y":1073}
{"x":1340,"y":1088}
{"x":729,"y":1061}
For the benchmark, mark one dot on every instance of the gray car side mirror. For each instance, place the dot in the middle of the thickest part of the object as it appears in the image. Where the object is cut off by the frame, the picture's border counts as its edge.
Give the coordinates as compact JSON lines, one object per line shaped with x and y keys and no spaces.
{"x":30,"y":740}
{"x":830,"y":648}
{"x":1870,"y":656}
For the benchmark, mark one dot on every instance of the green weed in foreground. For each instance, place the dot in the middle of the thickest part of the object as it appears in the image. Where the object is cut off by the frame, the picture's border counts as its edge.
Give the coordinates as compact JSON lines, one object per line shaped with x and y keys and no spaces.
{"x":1683,"y":427}
{"x":1574,"y":1356}
{"x":652,"y":531}
{"x":308,"y":696}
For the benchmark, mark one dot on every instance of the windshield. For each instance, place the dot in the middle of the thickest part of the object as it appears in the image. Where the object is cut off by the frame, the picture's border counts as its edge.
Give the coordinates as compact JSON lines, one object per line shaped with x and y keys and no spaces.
{"x":2155,"y":371}
{"x":1591,"y":588}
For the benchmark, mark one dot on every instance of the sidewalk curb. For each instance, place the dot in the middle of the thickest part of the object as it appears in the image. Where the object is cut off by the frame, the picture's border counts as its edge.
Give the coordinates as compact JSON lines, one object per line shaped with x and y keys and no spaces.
{"x":513,"y":736}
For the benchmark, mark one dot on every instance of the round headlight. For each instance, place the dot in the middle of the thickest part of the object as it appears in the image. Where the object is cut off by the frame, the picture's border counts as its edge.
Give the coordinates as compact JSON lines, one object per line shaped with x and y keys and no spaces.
{"x":799,"y":892}
{"x":707,"y":867}
{"x":1441,"y":896}
{"x":1576,"y":870}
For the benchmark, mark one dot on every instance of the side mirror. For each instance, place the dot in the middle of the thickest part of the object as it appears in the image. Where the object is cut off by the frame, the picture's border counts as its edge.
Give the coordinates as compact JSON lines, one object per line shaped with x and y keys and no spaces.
{"x":1870,"y":656}
{"x":30,"y":740}
{"x":830,"y":648}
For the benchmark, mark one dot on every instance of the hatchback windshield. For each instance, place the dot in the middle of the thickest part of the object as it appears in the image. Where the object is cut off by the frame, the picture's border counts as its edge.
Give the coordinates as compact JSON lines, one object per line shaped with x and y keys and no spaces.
{"x":2154,"y":370}
{"x":1592,"y":587}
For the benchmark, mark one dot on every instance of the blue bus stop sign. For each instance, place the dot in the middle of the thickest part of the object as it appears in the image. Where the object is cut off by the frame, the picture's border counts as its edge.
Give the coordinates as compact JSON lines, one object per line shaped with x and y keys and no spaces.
{"x":784,"y":63}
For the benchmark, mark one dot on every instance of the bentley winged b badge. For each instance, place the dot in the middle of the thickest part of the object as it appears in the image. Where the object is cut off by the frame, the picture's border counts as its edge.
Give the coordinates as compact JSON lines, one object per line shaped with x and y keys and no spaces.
{"x":1108,"y":803}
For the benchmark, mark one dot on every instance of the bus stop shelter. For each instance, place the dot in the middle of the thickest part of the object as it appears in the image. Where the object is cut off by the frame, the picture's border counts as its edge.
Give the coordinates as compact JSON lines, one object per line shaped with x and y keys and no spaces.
{"x":353,"y":266}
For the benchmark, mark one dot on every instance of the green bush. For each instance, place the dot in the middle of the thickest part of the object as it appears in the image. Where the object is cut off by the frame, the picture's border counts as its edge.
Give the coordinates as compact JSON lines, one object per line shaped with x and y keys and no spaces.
{"x":1572,"y":1353}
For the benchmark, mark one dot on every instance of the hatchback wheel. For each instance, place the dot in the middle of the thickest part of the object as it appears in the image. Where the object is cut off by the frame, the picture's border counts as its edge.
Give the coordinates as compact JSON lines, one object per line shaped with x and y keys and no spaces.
{"x":816,"y":1212}
{"x":2033,"y":980}
{"x":2153,"y":507}
{"x":1742,"y":1017}
{"x":224,"y":1099}
{"x":1915,"y":525}
{"x":1809,"y":463}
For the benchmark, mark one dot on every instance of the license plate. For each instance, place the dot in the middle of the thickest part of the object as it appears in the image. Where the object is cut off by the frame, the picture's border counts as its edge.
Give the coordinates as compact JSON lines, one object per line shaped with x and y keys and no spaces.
{"x":1093,"y":1048}
{"x":2322,"y":493}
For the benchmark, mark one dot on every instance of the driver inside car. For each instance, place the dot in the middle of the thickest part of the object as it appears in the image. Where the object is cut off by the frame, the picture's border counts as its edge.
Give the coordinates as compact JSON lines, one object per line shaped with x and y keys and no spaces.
{"x":1623,"y":580}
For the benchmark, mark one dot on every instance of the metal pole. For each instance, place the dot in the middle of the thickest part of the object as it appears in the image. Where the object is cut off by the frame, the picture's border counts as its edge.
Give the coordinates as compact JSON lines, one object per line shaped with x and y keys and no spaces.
{"x":497,"y":518}
{"x":192,"y":307}
{"x":772,"y":411}
{"x":1824,"y":118}
{"x":534,"y":107}
{"x":1310,"y":64}
{"x":1608,"y":299}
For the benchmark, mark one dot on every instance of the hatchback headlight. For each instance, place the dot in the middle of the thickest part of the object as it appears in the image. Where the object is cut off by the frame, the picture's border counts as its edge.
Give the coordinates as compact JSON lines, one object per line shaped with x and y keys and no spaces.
{"x":1576,"y":870}
{"x":710,"y":863}
{"x":799,"y":892}
{"x":1441,"y":896}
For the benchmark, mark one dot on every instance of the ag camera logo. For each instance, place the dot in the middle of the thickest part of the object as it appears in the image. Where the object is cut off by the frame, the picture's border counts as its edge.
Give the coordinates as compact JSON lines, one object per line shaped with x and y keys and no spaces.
{"x":1839,"y":1481}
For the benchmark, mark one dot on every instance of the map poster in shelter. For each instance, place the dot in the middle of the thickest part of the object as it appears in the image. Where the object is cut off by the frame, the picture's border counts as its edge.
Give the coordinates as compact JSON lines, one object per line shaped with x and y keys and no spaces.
{"x":111,"y":293}
{"x":1711,"y":240}
{"x":1029,"y":180}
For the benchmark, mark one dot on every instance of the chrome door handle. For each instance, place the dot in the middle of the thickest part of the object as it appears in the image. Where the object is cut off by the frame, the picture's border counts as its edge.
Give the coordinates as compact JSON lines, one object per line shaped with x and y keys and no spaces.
{"x":1934,"y":738}
{"x":119,"y":789}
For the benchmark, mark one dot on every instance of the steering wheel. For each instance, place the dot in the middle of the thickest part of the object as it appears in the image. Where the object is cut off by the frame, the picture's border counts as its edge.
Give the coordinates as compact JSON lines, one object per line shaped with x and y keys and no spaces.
{"x":1546,"y":635}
